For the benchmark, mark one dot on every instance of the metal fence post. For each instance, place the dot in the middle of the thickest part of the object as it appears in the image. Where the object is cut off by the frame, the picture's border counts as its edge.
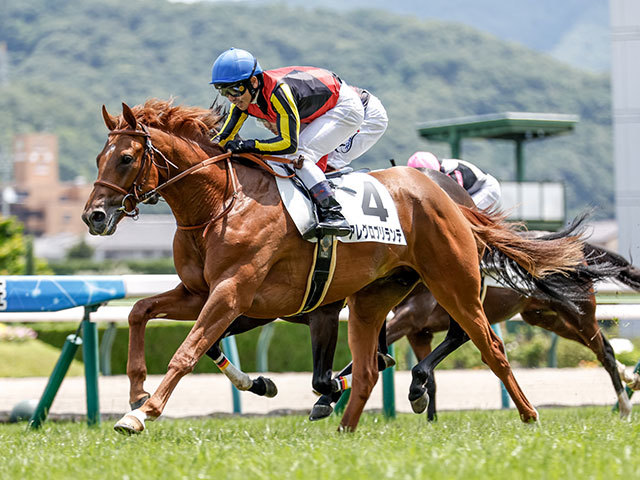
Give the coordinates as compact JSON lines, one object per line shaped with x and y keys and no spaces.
{"x":388,"y":389}
{"x":503,"y":391}
{"x":552,"y":360}
{"x":106,"y":345}
{"x":90,"y":357}
{"x":69,"y":350}
{"x":231,"y":350}
{"x":262,"y":350}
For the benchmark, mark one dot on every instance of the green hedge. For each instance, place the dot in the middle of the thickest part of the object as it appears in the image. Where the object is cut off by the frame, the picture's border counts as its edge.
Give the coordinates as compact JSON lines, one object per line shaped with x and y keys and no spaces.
{"x":117,"y":267}
{"x":290,"y":349}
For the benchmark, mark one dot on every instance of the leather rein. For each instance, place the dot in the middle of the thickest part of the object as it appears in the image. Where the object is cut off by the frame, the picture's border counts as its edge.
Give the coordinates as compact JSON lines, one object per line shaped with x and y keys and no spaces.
{"x":135,"y":194}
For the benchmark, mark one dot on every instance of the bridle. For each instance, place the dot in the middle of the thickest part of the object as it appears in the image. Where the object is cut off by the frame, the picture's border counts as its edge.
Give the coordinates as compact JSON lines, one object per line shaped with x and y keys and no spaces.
{"x":135,"y":194}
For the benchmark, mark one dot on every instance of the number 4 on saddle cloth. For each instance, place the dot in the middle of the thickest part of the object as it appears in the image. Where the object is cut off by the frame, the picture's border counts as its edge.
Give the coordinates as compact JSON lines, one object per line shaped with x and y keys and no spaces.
{"x":367,"y":206}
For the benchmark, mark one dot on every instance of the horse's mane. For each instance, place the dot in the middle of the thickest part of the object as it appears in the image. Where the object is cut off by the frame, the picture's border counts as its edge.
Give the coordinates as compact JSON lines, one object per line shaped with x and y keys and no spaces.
{"x":194,"y":123}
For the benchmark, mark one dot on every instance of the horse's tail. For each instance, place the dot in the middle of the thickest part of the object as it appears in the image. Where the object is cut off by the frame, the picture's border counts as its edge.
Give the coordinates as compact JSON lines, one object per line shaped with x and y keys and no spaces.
{"x":626,"y":273}
{"x":539,"y":258}
{"x":553,"y":267}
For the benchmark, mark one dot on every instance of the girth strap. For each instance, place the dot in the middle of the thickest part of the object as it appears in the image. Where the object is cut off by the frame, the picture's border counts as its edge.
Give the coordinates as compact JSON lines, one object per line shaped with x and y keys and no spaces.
{"x":320,"y":275}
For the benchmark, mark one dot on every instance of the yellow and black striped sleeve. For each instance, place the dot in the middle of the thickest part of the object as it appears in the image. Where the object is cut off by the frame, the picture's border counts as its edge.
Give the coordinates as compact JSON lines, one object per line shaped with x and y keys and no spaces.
{"x":232,"y":125}
{"x":288,"y":124}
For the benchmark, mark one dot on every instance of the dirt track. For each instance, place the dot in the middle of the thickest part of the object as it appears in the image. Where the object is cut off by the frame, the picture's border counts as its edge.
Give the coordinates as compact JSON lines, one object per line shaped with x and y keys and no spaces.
{"x":198,"y":395}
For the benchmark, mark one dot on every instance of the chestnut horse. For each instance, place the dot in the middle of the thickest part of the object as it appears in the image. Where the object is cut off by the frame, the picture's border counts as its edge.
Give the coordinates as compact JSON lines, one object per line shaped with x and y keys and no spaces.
{"x":237,"y":251}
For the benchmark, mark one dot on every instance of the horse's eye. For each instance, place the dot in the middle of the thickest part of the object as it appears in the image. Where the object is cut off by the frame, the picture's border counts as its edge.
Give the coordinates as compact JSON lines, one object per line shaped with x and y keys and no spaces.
{"x":127,"y":159}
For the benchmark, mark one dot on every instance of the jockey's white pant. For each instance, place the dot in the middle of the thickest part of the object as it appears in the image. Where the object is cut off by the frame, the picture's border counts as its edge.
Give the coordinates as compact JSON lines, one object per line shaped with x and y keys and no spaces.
{"x":488,"y":192}
{"x":326,"y":133}
{"x":374,"y":125}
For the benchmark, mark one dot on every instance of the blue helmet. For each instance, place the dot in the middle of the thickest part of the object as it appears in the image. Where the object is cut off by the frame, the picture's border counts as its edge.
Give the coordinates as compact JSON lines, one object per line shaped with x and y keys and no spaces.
{"x":234,"y":65}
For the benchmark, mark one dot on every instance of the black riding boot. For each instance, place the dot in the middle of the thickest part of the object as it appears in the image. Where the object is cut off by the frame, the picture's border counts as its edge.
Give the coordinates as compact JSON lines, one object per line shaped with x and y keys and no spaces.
{"x":330,"y":220}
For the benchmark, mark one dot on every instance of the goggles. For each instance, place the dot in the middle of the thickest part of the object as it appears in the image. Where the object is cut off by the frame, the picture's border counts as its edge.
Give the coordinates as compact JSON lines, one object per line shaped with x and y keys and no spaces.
{"x":237,"y":89}
{"x":232,"y":90}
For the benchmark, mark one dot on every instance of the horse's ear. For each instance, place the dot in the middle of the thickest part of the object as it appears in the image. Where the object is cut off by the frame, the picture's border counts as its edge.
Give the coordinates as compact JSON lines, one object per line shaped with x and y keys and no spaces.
{"x":129,"y":116}
{"x":109,"y":121}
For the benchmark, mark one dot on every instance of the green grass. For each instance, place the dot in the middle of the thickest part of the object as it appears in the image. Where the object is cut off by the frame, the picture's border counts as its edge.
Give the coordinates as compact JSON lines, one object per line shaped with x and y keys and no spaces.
{"x":584,"y":443}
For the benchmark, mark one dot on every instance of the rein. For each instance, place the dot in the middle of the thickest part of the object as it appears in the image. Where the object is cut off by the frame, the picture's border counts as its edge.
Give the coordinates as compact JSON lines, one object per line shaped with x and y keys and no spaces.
{"x":135,"y":195}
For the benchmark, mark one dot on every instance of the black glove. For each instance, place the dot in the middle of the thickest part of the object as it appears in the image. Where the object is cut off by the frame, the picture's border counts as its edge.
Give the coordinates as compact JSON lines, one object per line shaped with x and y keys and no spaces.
{"x":239,"y":146}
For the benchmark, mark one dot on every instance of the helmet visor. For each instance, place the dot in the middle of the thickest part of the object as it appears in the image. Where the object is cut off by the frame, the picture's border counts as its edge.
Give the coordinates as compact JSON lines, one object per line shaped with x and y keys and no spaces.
{"x":231,"y":89}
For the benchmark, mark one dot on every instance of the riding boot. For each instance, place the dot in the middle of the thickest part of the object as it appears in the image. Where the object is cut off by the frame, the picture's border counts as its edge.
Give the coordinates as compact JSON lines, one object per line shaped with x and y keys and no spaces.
{"x":330,"y":219}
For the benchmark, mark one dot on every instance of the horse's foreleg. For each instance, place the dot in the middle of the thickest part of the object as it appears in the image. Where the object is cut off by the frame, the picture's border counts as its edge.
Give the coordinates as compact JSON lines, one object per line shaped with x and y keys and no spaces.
{"x":222,"y":306}
{"x":343,"y":380}
{"x":423,"y":387}
{"x":261,"y":386}
{"x":323,"y":327}
{"x":177,"y":304}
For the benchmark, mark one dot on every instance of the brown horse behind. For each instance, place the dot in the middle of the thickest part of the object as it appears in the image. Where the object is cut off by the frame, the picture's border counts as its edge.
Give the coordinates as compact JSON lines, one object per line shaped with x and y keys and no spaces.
{"x":253,"y":261}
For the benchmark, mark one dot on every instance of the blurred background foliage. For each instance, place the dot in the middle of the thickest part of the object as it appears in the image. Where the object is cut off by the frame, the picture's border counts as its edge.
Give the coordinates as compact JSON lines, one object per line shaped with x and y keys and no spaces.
{"x":67,"y":58}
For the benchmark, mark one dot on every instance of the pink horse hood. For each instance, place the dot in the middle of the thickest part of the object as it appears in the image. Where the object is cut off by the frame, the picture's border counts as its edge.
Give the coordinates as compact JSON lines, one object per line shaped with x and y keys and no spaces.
{"x":424,"y":160}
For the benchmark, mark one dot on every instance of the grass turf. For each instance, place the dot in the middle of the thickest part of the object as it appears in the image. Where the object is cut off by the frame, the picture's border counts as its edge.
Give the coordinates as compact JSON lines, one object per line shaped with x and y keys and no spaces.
{"x":575,"y":443}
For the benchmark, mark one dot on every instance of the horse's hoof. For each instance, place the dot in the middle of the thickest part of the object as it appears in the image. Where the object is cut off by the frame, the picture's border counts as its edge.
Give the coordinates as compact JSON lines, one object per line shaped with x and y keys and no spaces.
{"x":320,"y":411}
{"x":533,"y":422}
{"x":137,"y":404}
{"x":421,"y":403}
{"x":129,"y":425}
{"x":624,"y":405}
{"x":270,"y":388}
{"x":385,"y":361}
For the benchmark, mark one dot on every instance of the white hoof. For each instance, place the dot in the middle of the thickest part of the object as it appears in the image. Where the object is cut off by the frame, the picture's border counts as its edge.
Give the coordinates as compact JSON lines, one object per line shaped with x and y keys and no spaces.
{"x":624,"y":406}
{"x":131,"y":423}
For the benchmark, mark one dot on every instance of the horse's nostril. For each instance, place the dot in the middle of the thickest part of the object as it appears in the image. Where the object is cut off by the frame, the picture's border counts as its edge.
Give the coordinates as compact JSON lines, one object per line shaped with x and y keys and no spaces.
{"x":97,"y":216}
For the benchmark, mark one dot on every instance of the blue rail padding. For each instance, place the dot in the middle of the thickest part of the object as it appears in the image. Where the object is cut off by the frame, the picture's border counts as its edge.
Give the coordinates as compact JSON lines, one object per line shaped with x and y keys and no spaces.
{"x":231,"y":350}
{"x":503,"y":390}
{"x":50,"y":293}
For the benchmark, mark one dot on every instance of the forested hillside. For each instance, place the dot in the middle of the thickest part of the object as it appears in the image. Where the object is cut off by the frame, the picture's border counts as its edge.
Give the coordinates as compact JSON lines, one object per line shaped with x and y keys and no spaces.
{"x":69,"y":57}
{"x":573,"y":31}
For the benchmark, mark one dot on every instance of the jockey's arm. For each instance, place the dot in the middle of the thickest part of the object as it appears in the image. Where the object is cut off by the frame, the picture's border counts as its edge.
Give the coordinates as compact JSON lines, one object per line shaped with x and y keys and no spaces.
{"x":231,"y":127}
{"x":287,"y":124}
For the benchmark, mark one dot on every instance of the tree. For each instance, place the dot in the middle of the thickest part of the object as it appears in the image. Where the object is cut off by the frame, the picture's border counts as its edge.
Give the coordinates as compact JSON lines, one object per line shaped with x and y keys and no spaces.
{"x":14,"y":250}
{"x":80,"y":250}
{"x":12,"y":247}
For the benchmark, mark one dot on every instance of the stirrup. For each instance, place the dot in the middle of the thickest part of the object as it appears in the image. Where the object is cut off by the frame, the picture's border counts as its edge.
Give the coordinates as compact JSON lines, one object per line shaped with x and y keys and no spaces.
{"x":323,"y":229}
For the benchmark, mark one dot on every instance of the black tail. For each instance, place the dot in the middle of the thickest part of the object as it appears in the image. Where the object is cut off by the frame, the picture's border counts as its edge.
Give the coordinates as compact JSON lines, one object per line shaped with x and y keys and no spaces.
{"x":569,"y":288}
{"x":627,"y":274}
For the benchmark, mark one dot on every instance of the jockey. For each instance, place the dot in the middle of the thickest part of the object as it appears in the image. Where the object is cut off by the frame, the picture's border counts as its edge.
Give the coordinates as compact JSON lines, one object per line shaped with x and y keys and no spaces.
{"x":483,"y":188}
{"x":312,"y":112}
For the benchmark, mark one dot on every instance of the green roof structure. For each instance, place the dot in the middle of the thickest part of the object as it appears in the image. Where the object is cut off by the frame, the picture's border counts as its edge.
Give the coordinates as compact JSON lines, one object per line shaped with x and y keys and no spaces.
{"x":517,"y":126}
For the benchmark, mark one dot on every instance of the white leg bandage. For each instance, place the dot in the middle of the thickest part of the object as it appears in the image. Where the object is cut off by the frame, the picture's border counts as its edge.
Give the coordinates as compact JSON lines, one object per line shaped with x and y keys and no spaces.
{"x":241,"y":380}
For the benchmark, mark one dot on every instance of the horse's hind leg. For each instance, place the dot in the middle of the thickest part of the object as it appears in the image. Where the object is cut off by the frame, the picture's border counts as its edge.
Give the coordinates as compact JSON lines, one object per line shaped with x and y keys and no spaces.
{"x":364,"y":325}
{"x":583,"y":328}
{"x":455,"y":283}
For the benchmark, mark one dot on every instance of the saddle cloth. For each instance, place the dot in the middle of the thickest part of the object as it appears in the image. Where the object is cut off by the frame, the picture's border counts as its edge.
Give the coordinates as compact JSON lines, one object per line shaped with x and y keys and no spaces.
{"x":366,"y":204}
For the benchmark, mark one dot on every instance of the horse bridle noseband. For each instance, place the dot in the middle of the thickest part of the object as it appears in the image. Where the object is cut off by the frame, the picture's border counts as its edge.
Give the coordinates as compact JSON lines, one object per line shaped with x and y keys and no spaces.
{"x":135,"y":194}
